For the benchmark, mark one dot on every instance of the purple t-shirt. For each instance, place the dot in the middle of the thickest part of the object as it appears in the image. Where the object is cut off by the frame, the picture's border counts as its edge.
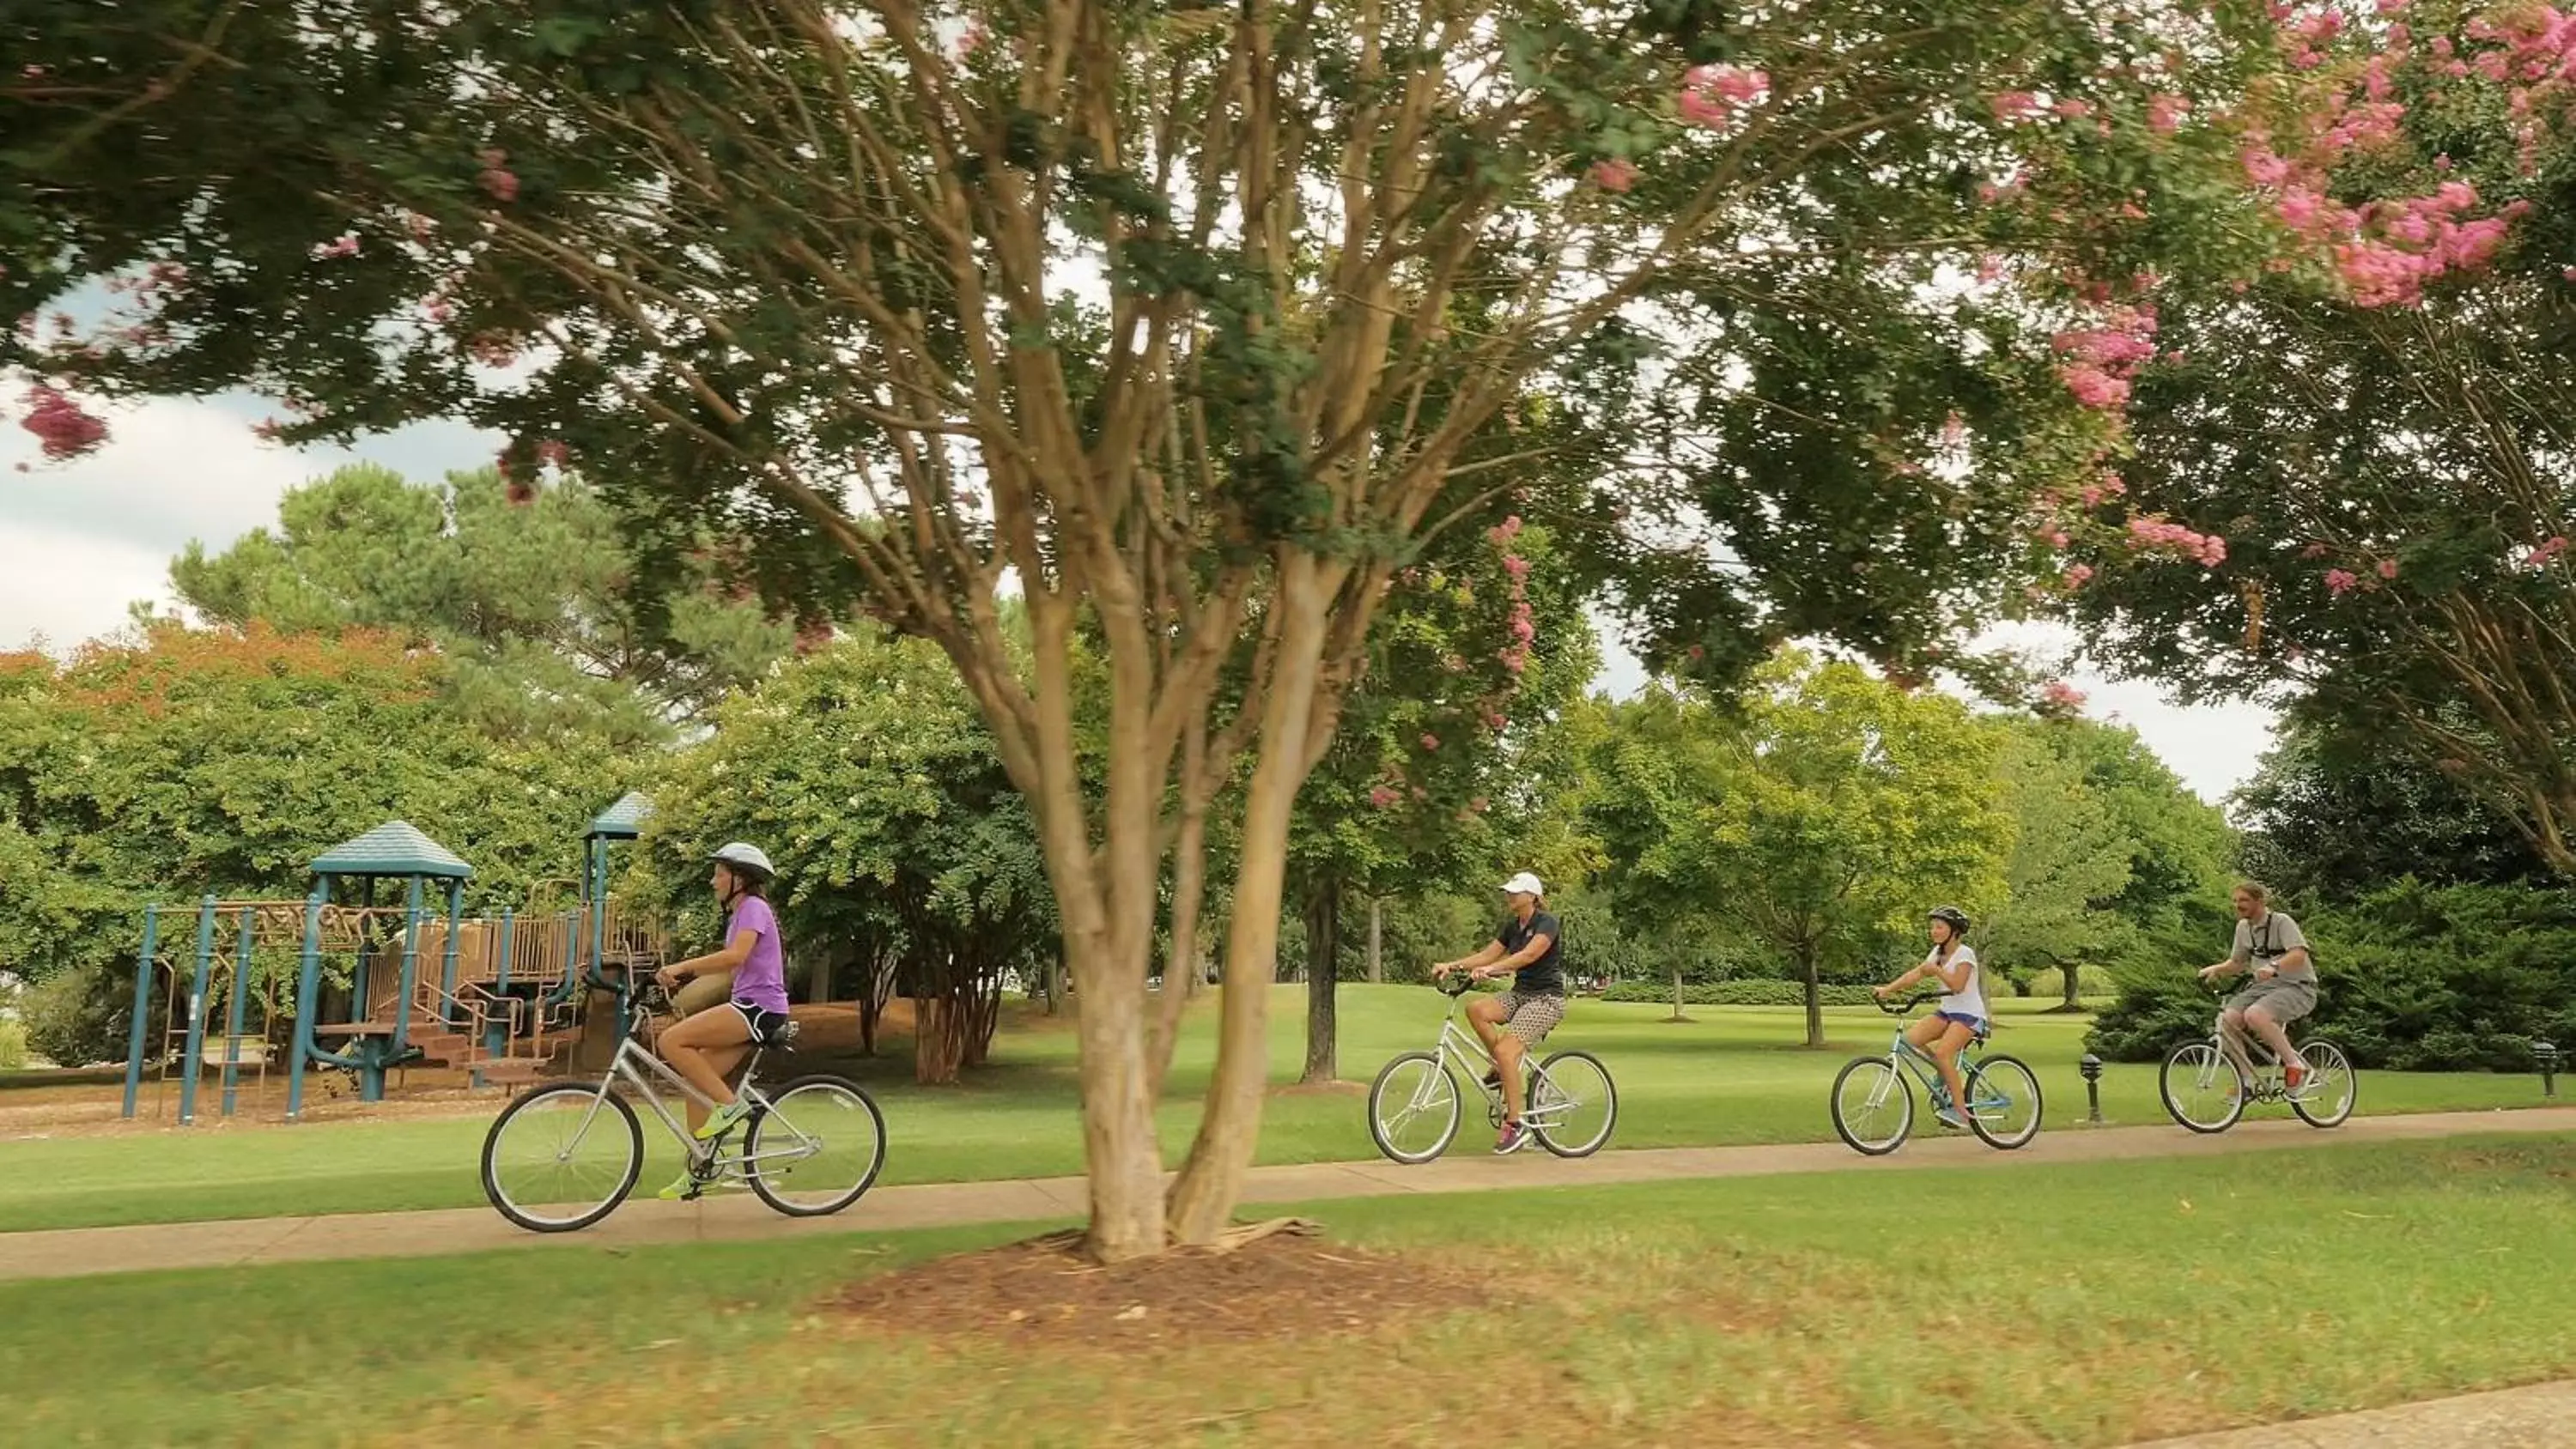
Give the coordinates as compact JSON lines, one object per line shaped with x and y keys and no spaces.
{"x":762,"y":980}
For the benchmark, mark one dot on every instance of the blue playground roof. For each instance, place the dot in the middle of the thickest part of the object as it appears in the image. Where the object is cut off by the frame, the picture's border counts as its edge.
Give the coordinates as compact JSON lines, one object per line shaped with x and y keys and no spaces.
{"x":393,"y":848}
{"x":623,"y":820}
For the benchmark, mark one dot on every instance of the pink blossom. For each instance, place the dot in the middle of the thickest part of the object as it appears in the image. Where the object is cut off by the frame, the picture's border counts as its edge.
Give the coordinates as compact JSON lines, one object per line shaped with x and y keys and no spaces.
{"x":343,"y":245}
{"x":2077,"y":576}
{"x":2544,"y":554}
{"x":2299,"y":207}
{"x":2017,"y":106}
{"x":2155,"y":533}
{"x":1990,"y":269}
{"x":1505,"y":531}
{"x":1614,"y":174}
{"x":2073,"y":110}
{"x":2165,"y":111}
{"x":2265,"y":168}
{"x":2388,"y":568}
{"x":62,"y":428}
{"x":971,"y":41}
{"x":497,"y":180}
{"x":1430,"y":741}
{"x":2093,"y":387}
{"x":1517,"y":566}
{"x":2059,"y":539}
{"x":1381,"y":797}
{"x":2058,"y":696}
{"x":1715,"y":95}
{"x":2340,"y":582}
{"x":555,"y":453}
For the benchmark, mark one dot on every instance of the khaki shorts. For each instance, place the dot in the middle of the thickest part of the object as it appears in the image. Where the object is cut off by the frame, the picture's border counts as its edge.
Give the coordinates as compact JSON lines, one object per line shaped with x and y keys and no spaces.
{"x":2282,"y":1000}
{"x":1531,"y":1018}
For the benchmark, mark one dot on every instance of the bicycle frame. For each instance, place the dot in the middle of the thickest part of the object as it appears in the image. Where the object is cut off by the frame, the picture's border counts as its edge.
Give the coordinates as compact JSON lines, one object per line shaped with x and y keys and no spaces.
{"x":1924,"y":1068}
{"x":1460,"y":1048}
{"x":637,"y":1067}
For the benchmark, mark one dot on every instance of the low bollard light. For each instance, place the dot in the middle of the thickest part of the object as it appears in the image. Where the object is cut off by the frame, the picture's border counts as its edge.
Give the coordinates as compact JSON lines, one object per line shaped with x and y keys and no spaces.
{"x":2548,"y":1054}
{"x":2091,"y":1067}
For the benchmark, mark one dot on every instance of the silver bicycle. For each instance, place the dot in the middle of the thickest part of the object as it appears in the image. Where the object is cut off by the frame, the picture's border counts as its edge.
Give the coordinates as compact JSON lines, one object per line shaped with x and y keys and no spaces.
{"x":1415,"y":1105}
{"x":564,"y":1156}
{"x":2204,"y":1090}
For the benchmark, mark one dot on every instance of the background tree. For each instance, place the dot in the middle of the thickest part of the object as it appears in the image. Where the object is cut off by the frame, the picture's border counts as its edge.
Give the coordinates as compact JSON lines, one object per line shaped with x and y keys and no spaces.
{"x":2069,"y":865}
{"x":1403,"y":802}
{"x":2332,"y":817}
{"x":2374,"y":430}
{"x":201,"y":761}
{"x":539,"y":599}
{"x":1820,"y":819}
{"x":903,"y":853}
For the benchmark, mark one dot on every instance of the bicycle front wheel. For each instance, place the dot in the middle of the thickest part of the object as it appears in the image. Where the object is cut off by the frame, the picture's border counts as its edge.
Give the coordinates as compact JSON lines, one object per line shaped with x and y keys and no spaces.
{"x":1573,"y":1104}
{"x":1414,"y":1108}
{"x":2201,"y":1087}
{"x":2331,"y":1089}
{"x":562,"y":1157}
{"x":2003,"y":1102}
{"x":817,"y":1149}
{"x":1873,"y":1108}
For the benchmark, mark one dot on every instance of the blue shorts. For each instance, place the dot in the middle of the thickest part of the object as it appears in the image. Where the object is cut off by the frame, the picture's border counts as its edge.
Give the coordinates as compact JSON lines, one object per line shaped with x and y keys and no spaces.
{"x":1976,"y":1024}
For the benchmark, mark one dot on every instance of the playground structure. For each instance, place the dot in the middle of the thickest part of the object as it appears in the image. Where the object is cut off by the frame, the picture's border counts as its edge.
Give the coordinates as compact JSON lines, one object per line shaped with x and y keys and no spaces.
{"x":409,"y":984}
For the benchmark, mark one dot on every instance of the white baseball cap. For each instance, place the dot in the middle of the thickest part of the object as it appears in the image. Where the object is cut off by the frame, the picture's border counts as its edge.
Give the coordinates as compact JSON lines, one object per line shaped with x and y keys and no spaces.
{"x":1524,"y":884}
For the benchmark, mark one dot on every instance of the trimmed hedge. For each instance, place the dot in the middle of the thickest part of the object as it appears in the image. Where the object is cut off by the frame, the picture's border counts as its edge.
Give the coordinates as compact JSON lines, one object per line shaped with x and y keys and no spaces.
{"x":1754,"y":992}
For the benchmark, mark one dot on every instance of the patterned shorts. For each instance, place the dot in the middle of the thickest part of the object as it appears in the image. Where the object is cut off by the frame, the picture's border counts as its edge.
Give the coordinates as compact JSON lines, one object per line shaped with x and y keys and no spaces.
{"x":1532,"y":1017}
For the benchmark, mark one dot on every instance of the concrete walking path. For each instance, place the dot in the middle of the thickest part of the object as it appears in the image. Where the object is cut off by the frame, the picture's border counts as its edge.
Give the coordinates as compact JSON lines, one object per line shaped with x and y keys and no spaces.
{"x":81,"y":1252}
{"x":2541,"y":1416}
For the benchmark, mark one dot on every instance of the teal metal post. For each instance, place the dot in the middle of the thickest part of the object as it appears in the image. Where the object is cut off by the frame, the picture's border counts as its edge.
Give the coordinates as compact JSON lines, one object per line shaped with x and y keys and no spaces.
{"x":197,"y":1012}
{"x":447,"y":1008}
{"x":496,"y":1037}
{"x":308,"y":993}
{"x":233,"y":1029}
{"x":142,"y":1007}
{"x":410,"y":971}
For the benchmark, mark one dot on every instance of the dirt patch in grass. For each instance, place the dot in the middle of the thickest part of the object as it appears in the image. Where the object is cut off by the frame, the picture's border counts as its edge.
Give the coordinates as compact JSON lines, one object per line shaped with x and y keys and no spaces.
{"x":1287,"y":1285}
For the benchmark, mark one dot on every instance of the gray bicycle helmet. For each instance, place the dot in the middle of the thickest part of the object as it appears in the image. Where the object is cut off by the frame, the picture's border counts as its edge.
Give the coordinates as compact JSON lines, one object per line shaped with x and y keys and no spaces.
{"x":1957,"y":919}
{"x":750,"y":860}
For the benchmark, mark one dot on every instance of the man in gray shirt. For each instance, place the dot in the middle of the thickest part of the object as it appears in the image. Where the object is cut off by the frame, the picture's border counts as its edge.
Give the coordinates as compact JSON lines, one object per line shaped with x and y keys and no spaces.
{"x":2284,"y":988}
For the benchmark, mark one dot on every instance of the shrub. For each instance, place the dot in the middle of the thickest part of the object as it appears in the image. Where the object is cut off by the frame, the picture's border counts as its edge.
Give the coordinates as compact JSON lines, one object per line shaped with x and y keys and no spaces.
{"x":77,"y":1018}
{"x":1755,"y":991}
{"x":13,"y":1046}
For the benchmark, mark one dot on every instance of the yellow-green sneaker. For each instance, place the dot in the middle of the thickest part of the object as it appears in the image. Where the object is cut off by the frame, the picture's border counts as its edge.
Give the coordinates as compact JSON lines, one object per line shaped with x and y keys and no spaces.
{"x":722,"y":1120}
{"x":682,"y":1189}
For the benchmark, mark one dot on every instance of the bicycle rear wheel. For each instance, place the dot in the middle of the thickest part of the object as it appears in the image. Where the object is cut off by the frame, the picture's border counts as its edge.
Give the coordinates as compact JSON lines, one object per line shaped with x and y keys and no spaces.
{"x":2201,"y":1087}
{"x":2331,"y":1090}
{"x":1573,"y":1104}
{"x":1413,"y":1108}
{"x":817,"y":1149}
{"x":2003,"y":1102}
{"x":562,"y":1157}
{"x":1872,"y":1106}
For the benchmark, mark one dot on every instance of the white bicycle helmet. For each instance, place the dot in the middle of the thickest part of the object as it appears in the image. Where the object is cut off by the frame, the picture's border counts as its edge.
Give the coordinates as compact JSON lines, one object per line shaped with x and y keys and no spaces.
{"x":749,"y":859}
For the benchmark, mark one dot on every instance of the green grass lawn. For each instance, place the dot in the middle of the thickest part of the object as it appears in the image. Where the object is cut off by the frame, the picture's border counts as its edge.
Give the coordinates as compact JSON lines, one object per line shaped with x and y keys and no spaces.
{"x":1729,"y":1075}
{"x":2088,"y":1304}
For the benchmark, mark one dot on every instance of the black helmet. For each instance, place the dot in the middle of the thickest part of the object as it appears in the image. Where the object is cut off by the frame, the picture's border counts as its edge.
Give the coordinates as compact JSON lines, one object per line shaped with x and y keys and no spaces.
{"x":1957,"y":918}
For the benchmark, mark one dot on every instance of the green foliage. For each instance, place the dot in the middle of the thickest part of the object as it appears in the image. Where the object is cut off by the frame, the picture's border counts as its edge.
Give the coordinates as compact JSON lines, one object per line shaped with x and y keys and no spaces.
{"x":1757,"y":991}
{"x":865,"y":773}
{"x":13,"y":1044}
{"x":2414,"y":977}
{"x":197,"y":761}
{"x":2333,"y":816}
{"x":551,"y":616}
{"x":1820,"y":818}
{"x":75,"y":1018}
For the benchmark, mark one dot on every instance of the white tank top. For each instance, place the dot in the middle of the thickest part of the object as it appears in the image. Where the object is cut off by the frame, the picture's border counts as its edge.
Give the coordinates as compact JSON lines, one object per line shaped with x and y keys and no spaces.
{"x":1970,"y":999}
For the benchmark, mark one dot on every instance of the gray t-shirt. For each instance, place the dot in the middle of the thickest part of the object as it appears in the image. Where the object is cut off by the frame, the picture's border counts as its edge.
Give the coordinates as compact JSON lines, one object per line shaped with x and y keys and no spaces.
{"x":2265,"y":942}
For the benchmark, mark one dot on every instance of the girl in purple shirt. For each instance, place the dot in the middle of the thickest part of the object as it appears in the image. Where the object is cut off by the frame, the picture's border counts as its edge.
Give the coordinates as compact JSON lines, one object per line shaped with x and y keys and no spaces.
{"x":705,"y":1048}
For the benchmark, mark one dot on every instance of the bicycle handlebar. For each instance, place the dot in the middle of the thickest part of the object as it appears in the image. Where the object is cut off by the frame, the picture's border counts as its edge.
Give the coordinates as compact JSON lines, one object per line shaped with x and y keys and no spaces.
{"x":1906,"y":1006}
{"x":1456,"y":983}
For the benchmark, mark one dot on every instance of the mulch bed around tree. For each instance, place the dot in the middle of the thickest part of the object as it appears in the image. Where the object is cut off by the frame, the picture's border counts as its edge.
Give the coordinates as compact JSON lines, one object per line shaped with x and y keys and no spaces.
{"x":1276,"y":1280}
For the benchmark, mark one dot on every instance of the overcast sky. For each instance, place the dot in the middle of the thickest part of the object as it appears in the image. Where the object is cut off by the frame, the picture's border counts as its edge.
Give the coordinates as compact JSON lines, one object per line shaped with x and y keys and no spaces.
{"x":80,"y":541}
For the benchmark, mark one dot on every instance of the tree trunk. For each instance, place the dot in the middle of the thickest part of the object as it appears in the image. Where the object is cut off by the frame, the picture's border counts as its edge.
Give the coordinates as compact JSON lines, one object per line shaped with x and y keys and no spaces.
{"x":1677,"y":995}
{"x":937,"y":1041}
{"x":1052,"y":982}
{"x":1211,"y":1180}
{"x":1323,"y":973}
{"x":2075,"y":989}
{"x":1376,"y":970}
{"x":1815,"y":998}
